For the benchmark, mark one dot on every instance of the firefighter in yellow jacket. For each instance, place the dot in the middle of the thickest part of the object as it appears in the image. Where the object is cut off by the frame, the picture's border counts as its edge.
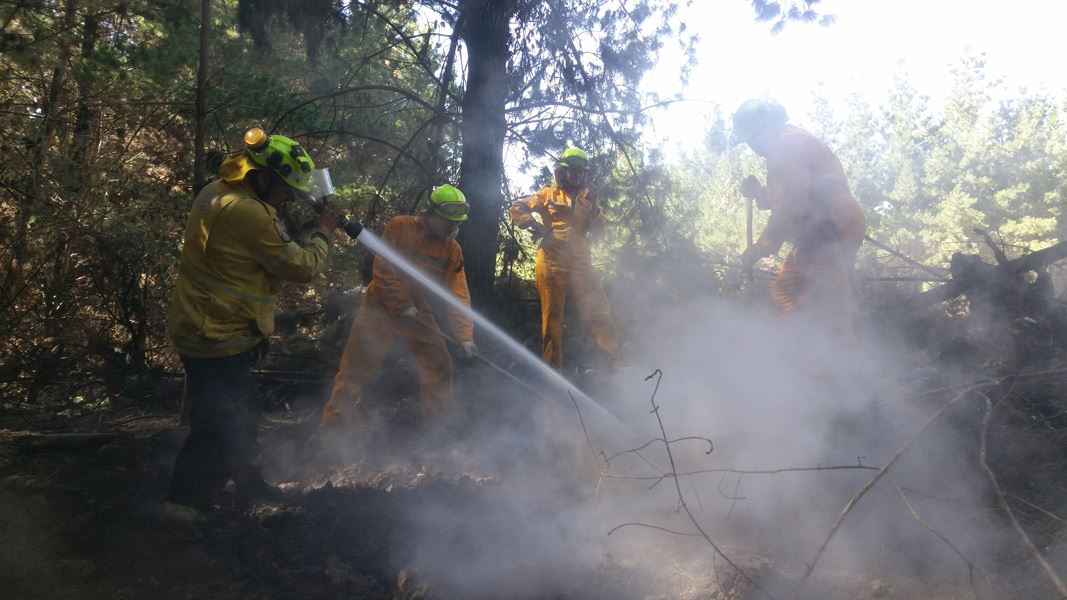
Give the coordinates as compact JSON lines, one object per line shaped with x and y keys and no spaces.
{"x":235,"y":254}
{"x":396,"y":309}
{"x":568,"y":211}
{"x":811,"y":207}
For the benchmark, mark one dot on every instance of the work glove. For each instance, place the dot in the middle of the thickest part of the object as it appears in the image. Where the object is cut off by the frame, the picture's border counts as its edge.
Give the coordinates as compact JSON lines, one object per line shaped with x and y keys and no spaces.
{"x":751,"y":255}
{"x":751,"y":187}
{"x":410,"y":315}
{"x":329,"y":220}
{"x":467,"y":350}
{"x":540,"y":230}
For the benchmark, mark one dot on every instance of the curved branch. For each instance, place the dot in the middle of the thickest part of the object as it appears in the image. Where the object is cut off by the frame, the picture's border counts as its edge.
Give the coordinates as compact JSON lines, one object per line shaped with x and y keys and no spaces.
{"x":881,"y":473}
{"x":354,"y":89}
{"x":361,"y":136}
{"x":658,"y":374}
{"x":635,"y":524}
{"x":711,"y":446}
{"x":1049,"y":571}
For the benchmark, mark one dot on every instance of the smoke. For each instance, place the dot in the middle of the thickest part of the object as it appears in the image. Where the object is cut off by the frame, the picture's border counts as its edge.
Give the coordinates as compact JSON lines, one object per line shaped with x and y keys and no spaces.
{"x":515,"y":501}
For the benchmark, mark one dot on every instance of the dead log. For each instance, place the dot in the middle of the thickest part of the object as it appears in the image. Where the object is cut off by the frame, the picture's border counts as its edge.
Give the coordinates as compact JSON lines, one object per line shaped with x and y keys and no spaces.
{"x":65,"y":442}
{"x":970,"y":275}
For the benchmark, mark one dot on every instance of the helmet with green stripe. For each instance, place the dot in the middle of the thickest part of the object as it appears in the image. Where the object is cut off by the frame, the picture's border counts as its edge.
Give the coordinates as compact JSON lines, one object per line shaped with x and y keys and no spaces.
{"x":575,"y":158}
{"x":449,"y":203}
{"x":281,"y":155}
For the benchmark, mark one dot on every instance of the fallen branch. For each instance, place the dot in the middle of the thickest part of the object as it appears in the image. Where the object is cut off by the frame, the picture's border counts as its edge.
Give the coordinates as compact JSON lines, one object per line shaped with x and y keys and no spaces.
{"x":881,"y":473}
{"x":1038,"y":509}
{"x":65,"y":441}
{"x":915,"y":514}
{"x":711,"y":446}
{"x":982,"y":446}
{"x":681,"y":498}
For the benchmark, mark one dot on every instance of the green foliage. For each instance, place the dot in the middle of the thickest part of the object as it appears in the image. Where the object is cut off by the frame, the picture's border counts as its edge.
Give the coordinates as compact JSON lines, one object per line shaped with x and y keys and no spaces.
{"x":95,"y":189}
{"x":926,"y":178}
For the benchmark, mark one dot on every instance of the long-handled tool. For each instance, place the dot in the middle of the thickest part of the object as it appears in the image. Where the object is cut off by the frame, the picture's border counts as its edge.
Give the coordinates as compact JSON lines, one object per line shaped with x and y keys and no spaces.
{"x":499,"y":369}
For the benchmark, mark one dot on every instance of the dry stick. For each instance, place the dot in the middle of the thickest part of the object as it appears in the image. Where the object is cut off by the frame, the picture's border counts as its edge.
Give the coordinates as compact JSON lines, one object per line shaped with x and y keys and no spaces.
{"x":659,"y":478}
{"x":870,"y":484}
{"x":940,"y":274}
{"x":711,"y":446}
{"x":636,"y":524}
{"x":914,"y":513}
{"x":681,"y":498}
{"x":735,"y":497}
{"x":1049,"y":571}
{"x":1037,"y":508}
{"x":602,"y":470}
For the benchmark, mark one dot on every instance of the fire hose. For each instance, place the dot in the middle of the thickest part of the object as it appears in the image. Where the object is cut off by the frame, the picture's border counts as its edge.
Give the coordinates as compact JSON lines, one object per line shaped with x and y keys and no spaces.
{"x":499,"y":369}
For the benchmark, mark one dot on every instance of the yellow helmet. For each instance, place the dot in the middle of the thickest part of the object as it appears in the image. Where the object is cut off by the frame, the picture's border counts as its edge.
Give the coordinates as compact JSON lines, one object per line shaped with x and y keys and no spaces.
{"x":449,"y":203}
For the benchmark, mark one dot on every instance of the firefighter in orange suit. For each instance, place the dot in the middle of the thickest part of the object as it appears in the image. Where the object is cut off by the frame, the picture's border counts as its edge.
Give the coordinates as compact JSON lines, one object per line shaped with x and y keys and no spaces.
{"x":396,"y":308}
{"x":568,"y":211}
{"x":811,"y":207}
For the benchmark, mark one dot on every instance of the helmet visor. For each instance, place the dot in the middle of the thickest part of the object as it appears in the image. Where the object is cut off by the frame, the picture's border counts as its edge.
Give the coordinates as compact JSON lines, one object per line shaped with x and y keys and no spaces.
{"x":453,"y":211}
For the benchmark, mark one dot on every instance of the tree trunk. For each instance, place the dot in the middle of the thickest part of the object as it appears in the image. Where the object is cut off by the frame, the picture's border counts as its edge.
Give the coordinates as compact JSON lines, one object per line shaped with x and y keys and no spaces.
{"x":200,"y":128}
{"x":486,"y":32}
{"x":85,"y":117}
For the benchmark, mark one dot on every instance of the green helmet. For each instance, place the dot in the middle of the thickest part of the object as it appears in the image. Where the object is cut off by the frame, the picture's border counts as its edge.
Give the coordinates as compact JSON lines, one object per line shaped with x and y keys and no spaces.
{"x":574,"y":158}
{"x":283,"y":156}
{"x":754,"y":116}
{"x":449,"y":203}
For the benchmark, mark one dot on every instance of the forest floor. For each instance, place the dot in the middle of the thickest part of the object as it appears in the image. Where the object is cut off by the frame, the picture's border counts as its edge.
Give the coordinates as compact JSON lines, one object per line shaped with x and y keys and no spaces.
{"x":80,"y":519}
{"x":85,"y":524}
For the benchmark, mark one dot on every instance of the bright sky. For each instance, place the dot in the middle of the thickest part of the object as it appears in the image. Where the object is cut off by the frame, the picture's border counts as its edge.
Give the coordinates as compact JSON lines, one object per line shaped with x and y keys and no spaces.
{"x":1023,"y":41}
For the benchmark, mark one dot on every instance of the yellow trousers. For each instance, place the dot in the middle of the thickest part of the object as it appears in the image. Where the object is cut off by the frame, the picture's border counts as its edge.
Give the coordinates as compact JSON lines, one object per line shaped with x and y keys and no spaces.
{"x":555,"y":274}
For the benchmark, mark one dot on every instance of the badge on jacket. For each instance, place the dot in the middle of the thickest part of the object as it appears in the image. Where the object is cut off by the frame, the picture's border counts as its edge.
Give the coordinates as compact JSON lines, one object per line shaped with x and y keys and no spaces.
{"x":282,"y":231}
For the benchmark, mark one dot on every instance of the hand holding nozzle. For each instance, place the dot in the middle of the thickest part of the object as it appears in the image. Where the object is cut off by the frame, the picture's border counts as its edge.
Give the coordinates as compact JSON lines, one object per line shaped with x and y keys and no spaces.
{"x":329,"y":219}
{"x":330,"y":216}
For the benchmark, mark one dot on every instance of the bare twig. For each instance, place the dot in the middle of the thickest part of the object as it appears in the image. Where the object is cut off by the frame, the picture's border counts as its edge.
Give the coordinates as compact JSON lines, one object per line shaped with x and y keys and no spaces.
{"x":982,"y":446}
{"x":658,"y":478}
{"x":635,"y":524}
{"x":658,"y":374}
{"x":711,"y":446}
{"x":1037,"y":508}
{"x":914,"y":513}
{"x":587,"y":439}
{"x":881,"y":473}
{"x":938,"y":273}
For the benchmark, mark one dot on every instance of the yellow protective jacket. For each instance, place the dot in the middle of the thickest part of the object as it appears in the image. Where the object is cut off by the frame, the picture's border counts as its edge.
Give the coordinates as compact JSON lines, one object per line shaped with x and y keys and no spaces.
{"x":235,"y":255}
{"x":441,"y":259}
{"x":569,"y":217}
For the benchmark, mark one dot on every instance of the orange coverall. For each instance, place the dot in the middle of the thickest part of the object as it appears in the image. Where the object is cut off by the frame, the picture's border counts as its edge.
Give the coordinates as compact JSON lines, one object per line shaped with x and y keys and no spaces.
{"x":563,"y":261}
{"x":812,"y":207}
{"x":377,"y":328}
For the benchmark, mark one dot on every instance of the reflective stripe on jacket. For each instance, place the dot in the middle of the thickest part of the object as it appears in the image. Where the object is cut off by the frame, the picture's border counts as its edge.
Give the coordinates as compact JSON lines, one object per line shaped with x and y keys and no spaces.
{"x":234,"y":256}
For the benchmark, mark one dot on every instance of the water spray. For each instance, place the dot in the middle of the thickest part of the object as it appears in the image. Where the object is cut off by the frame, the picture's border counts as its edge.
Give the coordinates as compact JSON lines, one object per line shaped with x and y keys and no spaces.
{"x":398,"y":261}
{"x":322,"y":187}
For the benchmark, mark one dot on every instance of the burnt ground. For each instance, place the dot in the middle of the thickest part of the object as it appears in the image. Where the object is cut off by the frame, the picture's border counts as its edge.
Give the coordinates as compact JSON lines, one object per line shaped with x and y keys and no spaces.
{"x":79,"y":517}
